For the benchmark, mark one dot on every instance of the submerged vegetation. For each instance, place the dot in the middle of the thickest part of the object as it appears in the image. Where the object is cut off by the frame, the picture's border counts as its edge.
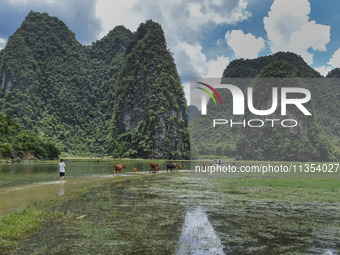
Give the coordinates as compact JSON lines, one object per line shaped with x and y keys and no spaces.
{"x":17,"y":225}
{"x":149,"y":214}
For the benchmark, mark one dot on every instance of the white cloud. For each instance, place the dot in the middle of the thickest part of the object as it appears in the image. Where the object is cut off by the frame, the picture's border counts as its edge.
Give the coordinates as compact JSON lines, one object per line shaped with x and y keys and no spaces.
{"x":186,"y":18}
{"x":219,"y":42}
{"x":323,"y":70}
{"x":114,"y":13}
{"x":334,"y":62}
{"x":184,"y":23}
{"x":186,"y":87}
{"x":217,"y":66}
{"x":195,"y":57}
{"x":198,"y":61}
{"x":244,"y":45}
{"x":289,"y":29}
{"x":2,"y":43}
{"x":335,"y":59}
{"x":24,"y":2}
{"x":78,"y":15}
{"x":202,"y":13}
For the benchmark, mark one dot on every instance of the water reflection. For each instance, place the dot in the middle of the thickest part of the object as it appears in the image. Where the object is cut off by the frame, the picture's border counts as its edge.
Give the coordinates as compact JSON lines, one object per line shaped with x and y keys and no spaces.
{"x":61,"y":189}
{"x":20,"y":196}
{"x":198,"y":236}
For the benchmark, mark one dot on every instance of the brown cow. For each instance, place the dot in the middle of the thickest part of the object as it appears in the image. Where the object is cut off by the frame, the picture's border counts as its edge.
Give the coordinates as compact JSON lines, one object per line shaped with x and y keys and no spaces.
{"x":178,"y":167}
{"x":173,"y":165}
{"x":118,"y":168}
{"x":206,"y":165}
{"x":134,"y":170}
{"x":153,"y":167}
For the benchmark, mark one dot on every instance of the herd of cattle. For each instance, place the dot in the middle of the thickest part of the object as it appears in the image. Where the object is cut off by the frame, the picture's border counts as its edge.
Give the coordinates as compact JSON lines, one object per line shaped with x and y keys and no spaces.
{"x":154,"y":167}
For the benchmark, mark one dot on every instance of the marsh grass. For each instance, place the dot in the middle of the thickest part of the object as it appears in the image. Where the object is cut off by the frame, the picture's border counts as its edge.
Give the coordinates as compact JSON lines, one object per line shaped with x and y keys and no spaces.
{"x":19,"y":224}
{"x":145,"y":214}
{"x":293,"y":190}
{"x":122,"y":217}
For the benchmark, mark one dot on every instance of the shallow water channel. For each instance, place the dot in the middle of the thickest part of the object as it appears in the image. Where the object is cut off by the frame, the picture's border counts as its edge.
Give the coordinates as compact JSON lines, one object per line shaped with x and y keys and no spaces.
{"x":176,"y":214}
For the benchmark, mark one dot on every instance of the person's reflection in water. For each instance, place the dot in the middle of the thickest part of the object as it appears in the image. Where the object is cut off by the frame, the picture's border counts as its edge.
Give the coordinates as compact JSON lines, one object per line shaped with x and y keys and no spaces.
{"x":61,"y":189}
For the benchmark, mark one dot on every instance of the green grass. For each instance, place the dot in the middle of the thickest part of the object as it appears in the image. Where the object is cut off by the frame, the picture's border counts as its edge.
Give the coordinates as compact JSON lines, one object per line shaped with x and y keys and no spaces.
{"x":15,"y":226}
{"x":293,"y":190}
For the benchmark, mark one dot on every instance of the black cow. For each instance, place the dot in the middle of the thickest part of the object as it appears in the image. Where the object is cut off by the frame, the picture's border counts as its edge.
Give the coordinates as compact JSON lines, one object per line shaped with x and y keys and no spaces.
{"x":170,"y":166}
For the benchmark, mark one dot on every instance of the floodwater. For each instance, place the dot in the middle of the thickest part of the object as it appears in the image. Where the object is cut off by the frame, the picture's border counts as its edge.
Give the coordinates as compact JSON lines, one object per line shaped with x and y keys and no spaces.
{"x":19,"y":196}
{"x":172,"y":214}
{"x":16,"y":174}
{"x":23,"y":184}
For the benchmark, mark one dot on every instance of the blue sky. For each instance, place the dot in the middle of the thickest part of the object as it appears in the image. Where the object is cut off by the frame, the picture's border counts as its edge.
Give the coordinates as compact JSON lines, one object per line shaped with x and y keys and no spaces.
{"x":203,"y":35}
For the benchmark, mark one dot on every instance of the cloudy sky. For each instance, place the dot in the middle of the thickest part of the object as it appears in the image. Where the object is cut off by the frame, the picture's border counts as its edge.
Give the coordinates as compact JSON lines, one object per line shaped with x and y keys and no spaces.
{"x":204,"y":35}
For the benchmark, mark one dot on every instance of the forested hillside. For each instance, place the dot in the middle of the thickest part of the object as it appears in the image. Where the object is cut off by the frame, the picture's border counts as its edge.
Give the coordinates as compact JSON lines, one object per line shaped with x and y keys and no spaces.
{"x":335,"y":73}
{"x":15,"y":142}
{"x":66,"y":92}
{"x":319,"y":139}
{"x":150,"y":116}
{"x":303,"y":143}
{"x":58,"y":88}
{"x":250,"y":68}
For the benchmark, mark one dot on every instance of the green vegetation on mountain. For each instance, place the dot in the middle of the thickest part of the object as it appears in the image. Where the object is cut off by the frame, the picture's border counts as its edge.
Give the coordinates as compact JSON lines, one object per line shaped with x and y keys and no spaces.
{"x":193,"y":112}
{"x":150,"y":115}
{"x":58,"y":88}
{"x":335,"y":73}
{"x":67,"y":92}
{"x":317,"y":138}
{"x":250,"y":68}
{"x":15,"y":142}
{"x":303,"y":143}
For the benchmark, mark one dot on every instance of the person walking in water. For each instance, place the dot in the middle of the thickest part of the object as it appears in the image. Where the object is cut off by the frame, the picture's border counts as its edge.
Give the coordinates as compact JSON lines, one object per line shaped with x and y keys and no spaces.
{"x":62,"y":170}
